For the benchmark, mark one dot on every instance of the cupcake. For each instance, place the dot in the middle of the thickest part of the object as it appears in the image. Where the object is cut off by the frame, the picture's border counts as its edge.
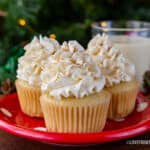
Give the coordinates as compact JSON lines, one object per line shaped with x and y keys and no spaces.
{"x":119,"y":73}
{"x":73,"y":99}
{"x":28,"y":74}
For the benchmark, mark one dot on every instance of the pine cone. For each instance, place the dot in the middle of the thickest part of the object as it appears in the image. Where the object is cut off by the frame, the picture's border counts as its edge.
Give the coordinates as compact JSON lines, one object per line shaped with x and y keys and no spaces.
{"x":146,"y":82}
{"x":7,"y":87}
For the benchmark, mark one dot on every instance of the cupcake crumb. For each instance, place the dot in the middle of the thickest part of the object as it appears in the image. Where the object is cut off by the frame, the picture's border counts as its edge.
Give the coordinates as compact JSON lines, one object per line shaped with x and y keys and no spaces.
{"x":119,"y":120}
{"x":6,"y":112}
{"x":141,"y":106}
{"x":40,"y":129}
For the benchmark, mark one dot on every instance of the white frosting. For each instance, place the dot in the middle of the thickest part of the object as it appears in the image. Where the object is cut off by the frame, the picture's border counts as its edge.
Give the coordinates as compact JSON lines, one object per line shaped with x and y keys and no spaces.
{"x":50,"y":45}
{"x":71,"y":72}
{"x":72,"y":46}
{"x":113,"y":63}
{"x":30,"y":65}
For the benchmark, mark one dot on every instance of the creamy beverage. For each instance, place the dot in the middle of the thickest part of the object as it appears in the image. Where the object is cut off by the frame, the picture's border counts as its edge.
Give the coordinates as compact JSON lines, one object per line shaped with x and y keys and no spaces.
{"x":137,"y":49}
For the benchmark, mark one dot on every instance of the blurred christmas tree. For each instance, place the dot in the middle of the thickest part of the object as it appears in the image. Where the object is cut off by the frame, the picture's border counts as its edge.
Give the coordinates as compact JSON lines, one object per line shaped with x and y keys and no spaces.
{"x":12,"y":32}
{"x":68,"y":19}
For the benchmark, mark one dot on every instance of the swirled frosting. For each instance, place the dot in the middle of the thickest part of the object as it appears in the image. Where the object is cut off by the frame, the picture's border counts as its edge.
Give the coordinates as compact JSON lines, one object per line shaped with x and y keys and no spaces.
{"x":30,"y":65}
{"x":115,"y":66}
{"x":71,"y":72}
{"x":72,"y":46}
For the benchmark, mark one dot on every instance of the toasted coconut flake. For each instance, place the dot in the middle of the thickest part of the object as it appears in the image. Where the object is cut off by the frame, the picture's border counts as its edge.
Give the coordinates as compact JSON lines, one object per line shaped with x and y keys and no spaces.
{"x":6,"y":112}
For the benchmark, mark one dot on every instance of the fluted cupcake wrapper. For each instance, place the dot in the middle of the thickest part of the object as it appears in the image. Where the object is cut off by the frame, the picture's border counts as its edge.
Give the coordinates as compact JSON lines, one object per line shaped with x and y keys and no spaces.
{"x":123,"y":100}
{"x":29,"y":99}
{"x":76,"y":116}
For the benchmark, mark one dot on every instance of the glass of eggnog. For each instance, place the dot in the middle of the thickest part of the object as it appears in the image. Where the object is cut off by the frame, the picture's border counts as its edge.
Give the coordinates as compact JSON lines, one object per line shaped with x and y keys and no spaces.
{"x":132,"y":38}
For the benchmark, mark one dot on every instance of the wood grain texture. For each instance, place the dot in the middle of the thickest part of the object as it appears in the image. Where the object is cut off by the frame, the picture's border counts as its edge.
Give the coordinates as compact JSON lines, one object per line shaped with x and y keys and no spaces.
{"x":11,"y":142}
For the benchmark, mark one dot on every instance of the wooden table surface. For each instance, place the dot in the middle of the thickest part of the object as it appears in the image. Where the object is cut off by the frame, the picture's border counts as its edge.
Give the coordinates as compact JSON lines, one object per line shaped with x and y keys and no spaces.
{"x":11,"y":142}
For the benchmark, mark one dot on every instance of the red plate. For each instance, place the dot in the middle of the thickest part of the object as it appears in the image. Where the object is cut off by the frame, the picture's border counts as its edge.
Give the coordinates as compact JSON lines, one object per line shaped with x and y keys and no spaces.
{"x":24,"y":126}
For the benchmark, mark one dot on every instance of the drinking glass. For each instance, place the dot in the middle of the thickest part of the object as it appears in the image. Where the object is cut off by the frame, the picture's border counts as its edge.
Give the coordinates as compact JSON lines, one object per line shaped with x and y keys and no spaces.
{"x":132,"y":38}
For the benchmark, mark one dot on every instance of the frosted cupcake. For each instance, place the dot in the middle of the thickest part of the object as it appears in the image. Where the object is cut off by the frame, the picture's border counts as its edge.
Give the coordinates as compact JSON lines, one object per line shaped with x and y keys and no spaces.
{"x":119,"y":73}
{"x":28,"y":74}
{"x":72,"y":97}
